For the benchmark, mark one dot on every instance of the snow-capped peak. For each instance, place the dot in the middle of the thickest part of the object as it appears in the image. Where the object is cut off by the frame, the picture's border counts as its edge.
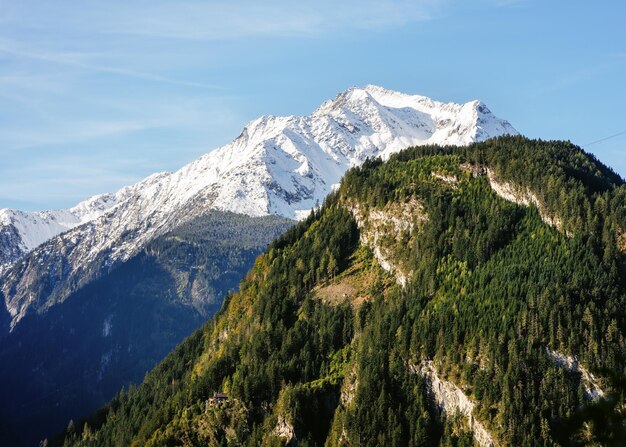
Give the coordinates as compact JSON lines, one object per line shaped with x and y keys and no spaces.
{"x":280,"y":165}
{"x":31,"y":229}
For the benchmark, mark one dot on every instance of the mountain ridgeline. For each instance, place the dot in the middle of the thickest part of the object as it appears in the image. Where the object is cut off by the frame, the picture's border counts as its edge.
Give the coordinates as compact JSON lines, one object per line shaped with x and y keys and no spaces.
{"x":449,"y":296}
{"x":280,"y":166}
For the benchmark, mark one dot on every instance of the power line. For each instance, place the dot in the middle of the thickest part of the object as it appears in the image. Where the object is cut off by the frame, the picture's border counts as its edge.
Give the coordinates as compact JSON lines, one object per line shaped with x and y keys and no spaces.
{"x":605,"y":138}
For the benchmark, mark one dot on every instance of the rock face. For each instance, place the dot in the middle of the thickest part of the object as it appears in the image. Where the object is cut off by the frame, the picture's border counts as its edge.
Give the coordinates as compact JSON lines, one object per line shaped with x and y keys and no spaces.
{"x":589,"y":381}
{"x":450,"y":399}
{"x":389,"y":224}
{"x":349,"y":388}
{"x":524,"y":197}
{"x":284,"y":430}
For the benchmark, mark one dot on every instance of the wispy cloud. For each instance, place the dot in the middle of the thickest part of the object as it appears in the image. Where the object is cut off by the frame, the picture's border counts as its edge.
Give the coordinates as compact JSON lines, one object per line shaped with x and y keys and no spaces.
{"x":121,"y":38}
{"x":196,"y":19}
{"x":228,"y":20}
{"x":185,"y":115}
{"x":49,"y":180}
{"x":73,"y":133}
{"x":60,"y":186}
{"x":81,"y":61}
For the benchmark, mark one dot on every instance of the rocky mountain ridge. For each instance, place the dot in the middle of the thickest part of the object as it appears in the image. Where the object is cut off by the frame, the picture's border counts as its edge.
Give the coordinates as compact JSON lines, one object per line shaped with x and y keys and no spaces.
{"x":277,"y":166}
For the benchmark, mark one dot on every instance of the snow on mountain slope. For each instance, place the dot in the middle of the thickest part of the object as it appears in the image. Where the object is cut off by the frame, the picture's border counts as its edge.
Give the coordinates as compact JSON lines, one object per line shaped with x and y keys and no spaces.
{"x":277,"y":165}
{"x":284,"y":165}
{"x":22,"y":231}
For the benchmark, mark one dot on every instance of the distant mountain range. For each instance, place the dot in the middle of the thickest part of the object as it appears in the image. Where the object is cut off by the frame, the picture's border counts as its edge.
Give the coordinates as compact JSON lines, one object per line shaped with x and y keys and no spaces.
{"x":277,"y":166}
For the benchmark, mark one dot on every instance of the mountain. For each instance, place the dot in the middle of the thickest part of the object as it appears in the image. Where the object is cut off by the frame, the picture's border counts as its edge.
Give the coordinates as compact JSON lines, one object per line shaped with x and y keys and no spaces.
{"x":277,"y":166}
{"x":88,"y":285}
{"x":22,"y":231}
{"x":449,"y":296}
{"x":295,"y":161}
{"x":73,"y":358}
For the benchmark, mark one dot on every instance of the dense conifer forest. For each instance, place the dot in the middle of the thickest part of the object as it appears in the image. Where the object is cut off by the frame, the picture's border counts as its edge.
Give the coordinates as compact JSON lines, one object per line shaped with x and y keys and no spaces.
{"x":322,"y":346}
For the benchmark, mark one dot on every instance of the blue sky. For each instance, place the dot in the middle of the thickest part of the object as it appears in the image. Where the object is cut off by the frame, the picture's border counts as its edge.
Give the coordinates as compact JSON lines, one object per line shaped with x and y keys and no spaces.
{"x":97,"y":95}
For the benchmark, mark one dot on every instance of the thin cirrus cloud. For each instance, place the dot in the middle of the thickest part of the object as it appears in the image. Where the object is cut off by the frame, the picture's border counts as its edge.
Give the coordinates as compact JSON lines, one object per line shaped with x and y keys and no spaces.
{"x":61,"y":178}
{"x":75,"y":133}
{"x":215,"y":19}
{"x":569,"y":79}
{"x":169,"y":113}
{"x":77,"y":35}
{"x":61,"y":184}
{"x":228,"y":20}
{"x":82,"y":61}
{"x":218,"y":20}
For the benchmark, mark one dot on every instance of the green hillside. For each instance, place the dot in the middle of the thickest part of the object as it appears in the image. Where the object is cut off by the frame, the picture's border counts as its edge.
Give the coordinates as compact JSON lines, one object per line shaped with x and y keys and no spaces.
{"x":449,"y":296}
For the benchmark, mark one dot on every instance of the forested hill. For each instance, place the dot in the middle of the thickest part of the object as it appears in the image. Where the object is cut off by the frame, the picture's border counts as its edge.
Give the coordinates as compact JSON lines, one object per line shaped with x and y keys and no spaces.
{"x":450,"y":296}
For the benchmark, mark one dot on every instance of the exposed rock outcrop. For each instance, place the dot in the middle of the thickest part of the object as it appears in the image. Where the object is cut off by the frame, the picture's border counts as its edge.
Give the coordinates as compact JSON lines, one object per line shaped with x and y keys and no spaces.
{"x":589,"y":382}
{"x":348,"y":390}
{"x":621,"y":240}
{"x":450,"y":179}
{"x":524,"y":197}
{"x":451,"y":400}
{"x":390,"y":222}
{"x":284,"y":430}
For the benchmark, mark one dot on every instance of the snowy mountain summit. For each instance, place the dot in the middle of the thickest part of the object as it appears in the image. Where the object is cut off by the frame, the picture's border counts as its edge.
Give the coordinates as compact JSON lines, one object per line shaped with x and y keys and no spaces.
{"x":285,"y":165}
{"x":277,"y":165}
